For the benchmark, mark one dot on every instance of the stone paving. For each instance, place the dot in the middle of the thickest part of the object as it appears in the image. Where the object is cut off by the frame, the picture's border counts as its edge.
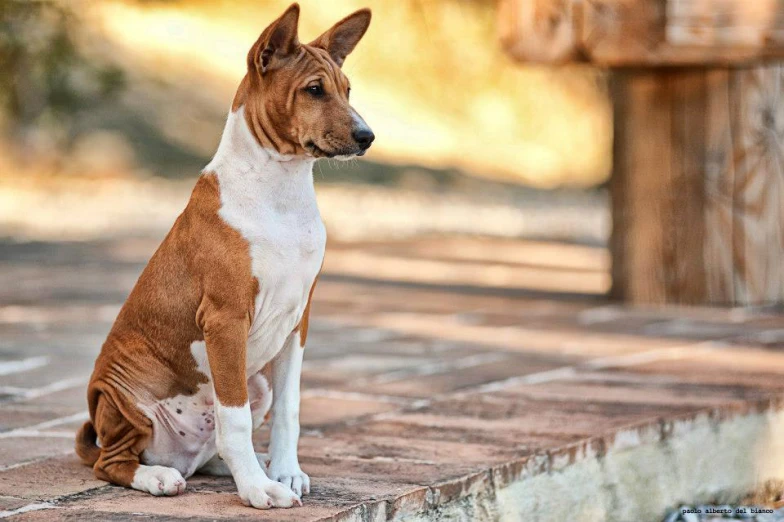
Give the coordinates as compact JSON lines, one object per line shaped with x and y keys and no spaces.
{"x":433,"y":371}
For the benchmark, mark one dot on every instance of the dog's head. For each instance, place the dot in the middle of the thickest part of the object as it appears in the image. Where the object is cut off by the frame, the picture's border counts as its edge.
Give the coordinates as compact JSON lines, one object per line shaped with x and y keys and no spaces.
{"x":296,"y":96}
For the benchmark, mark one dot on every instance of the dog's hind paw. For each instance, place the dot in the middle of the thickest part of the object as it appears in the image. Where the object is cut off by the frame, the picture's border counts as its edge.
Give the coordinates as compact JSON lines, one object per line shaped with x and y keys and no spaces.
{"x":158,"y":481}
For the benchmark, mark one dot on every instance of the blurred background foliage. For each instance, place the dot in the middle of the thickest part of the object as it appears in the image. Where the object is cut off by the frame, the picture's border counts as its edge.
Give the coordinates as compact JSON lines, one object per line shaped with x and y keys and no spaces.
{"x":47,"y":82}
{"x":122,"y":87}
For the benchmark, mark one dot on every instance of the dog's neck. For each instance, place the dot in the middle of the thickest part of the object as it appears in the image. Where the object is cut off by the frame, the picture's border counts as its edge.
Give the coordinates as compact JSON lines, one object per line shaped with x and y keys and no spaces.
{"x":241,"y":163}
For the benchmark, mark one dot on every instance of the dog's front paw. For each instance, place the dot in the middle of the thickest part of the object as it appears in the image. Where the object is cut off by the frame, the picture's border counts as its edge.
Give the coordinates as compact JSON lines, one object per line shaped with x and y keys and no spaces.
{"x":291,"y":476}
{"x":269,"y":494}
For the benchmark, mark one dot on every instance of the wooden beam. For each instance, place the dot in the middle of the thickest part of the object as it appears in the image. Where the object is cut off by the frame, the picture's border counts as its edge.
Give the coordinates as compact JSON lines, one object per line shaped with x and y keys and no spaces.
{"x":541,"y":31}
{"x":698,"y":185}
{"x":629,"y":33}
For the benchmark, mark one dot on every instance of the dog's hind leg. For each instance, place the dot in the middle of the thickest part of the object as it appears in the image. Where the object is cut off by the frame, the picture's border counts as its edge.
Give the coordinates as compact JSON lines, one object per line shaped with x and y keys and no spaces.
{"x":260,"y":395}
{"x":158,"y":480}
{"x":122,"y":443}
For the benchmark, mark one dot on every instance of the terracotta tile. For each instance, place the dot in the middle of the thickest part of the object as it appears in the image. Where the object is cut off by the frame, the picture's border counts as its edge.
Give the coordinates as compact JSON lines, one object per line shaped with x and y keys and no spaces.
{"x":18,"y":450}
{"x":730,"y":367}
{"x":453,"y":379}
{"x":201,"y":505}
{"x":316,"y":411}
{"x":14,"y":416}
{"x":49,"y":479}
{"x":9,"y":503}
{"x":71,"y":400}
{"x":504,"y":433}
{"x":416,"y":433}
{"x":668,"y":394}
{"x":59,"y":367}
{"x":560,"y":418}
{"x":405,"y":459}
{"x":80,"y":515}
{"x":394,"y":474}
{"x":351,"y":366}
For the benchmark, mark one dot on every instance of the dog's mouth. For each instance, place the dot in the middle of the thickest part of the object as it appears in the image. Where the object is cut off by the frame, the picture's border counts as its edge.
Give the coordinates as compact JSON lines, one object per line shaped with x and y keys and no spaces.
{"x":317,"y":152}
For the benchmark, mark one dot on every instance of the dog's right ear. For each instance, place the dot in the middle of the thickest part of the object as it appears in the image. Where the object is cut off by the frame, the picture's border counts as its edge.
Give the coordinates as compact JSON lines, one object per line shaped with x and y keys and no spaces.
{"x":276,"y":41}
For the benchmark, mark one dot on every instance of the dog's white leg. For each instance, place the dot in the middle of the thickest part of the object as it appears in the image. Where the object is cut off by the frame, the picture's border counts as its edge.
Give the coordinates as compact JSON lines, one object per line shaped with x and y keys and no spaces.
{"x":218,"y":468}
{"x":284,"y":435}
{"x":234,"y":427}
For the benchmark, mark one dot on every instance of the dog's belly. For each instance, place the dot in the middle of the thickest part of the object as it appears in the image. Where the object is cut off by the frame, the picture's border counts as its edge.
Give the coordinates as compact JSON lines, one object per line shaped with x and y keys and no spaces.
{"x":184,"y":426}
{"x":183,"y":431}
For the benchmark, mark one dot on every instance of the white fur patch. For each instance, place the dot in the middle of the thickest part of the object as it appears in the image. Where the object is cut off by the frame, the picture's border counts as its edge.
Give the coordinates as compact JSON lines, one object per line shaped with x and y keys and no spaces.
{"x":158,"y":480}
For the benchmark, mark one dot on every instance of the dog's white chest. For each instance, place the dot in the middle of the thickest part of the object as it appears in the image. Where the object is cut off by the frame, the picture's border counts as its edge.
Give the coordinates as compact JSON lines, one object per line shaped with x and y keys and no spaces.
{"x":273,"y":206}
{"x":286,"y":254}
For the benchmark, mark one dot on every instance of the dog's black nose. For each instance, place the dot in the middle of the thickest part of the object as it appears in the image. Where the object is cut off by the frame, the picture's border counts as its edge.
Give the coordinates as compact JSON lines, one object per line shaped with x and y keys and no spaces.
{"x":364,"y":137}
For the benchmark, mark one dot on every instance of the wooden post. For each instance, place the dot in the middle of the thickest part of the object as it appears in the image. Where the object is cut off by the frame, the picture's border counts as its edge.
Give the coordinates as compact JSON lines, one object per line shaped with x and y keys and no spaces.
{"x":698,"y":176}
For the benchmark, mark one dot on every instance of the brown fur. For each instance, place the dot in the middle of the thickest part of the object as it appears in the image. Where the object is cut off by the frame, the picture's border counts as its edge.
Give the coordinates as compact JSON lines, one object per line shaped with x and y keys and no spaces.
{"x":197,"y":286}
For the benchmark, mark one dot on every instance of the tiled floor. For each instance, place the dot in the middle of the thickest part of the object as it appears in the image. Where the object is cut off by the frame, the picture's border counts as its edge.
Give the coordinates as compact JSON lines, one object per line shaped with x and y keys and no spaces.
{"x":430,"y":367}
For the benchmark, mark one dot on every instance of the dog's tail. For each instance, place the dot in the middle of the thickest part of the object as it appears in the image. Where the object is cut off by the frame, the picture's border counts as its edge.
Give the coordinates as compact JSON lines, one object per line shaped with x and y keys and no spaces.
{"x":86,"y":446}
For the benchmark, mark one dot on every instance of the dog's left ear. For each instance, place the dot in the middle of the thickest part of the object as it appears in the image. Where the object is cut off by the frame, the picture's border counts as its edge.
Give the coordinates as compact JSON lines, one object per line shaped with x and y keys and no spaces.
{"x":341,"y":39}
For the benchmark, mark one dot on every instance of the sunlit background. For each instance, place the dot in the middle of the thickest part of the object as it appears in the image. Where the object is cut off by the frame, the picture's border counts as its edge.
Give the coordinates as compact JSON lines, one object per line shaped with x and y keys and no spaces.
{"x":109,"y":109}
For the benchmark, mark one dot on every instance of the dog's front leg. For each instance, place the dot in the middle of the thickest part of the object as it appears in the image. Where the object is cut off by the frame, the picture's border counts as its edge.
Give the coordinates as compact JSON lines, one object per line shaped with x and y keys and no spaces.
{"x":284,"y":434}
{"x":226,"y":339}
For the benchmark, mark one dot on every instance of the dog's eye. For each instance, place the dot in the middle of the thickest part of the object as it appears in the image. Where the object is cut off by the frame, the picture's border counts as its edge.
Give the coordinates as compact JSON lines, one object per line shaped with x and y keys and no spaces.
{"x":348,"y":92}
{"x":315,"y":90}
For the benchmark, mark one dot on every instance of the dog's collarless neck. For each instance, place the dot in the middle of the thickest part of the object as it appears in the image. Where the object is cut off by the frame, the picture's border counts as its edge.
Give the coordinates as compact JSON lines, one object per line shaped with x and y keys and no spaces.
{"x":239,"y":151}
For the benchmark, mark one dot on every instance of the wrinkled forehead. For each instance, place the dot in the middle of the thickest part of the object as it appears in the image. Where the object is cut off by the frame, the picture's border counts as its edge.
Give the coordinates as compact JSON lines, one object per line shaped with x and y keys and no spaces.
{"x":312,"y":62}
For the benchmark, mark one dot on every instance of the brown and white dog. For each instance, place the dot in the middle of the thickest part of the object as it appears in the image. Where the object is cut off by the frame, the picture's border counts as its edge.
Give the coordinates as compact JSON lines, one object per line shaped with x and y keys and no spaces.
{"x":210,"y":339}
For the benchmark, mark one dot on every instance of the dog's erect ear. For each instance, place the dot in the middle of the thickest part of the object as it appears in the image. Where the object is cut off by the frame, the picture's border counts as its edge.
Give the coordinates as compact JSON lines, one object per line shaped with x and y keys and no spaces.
{"x":276,"y":41}
{"x":341,"y":39}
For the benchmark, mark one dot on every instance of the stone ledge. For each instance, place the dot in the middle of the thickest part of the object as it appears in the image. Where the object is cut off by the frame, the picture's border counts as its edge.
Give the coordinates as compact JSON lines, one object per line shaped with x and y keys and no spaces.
{"x":635,"y":473}
{"x":425,"y":401}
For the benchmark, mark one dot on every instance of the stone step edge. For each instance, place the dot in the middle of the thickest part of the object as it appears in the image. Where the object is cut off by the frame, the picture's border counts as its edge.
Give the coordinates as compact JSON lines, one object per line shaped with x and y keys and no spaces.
{"x":637,"y":472}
